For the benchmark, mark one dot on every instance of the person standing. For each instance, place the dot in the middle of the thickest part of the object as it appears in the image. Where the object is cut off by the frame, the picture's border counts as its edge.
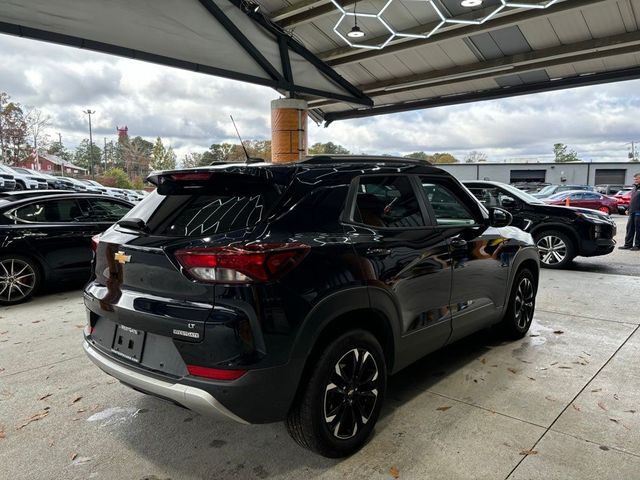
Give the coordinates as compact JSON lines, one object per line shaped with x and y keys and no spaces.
{"x":632,"y":239}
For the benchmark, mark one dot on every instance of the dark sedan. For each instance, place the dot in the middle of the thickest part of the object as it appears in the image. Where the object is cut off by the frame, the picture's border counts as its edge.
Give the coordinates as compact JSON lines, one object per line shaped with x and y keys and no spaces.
{"x":47,"y":238}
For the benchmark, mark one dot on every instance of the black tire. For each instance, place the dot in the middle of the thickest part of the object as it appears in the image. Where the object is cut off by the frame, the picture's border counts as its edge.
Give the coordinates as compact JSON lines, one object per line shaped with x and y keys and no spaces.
{"x":20,"y":186}
{"x":20,"y":278}
{"x":521,"y":307}
{"x":557,"y":249}
{"x":335,"y":414}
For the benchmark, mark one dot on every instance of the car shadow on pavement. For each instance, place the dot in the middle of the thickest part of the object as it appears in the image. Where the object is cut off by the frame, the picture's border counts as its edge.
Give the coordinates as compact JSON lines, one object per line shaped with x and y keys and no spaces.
{"x":175,"y":439}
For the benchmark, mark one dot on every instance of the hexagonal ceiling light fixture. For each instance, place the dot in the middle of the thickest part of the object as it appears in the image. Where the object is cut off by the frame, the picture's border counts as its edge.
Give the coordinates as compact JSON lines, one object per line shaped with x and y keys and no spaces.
{"x":356,"y":32}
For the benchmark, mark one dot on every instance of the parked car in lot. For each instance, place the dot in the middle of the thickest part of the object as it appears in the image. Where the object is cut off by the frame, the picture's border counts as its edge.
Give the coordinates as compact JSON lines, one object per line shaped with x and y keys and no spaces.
{"x":57,"y":183}
{"x":623,"y":199}
{"x":610,"y":190}
{"x":7,"y":181}
{"x":25,"y":180}
{"x":561,"y":233}
{"x":264,"y":292}
{"x":590,"y":200}
{"x":47,"y":238}
{"x":81,"y":186}
{"x":553,"y":189}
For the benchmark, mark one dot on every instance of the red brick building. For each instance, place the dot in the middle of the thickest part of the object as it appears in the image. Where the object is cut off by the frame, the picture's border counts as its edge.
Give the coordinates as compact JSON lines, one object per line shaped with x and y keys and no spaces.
{"x":51,"y":164}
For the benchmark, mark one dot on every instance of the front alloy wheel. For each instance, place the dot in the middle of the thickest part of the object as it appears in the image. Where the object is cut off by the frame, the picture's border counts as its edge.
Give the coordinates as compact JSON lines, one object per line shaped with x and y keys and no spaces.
{"x":524,"y":303}
{"x":351,"y":394}
{"x":555,"y":248}
{"x":18,"y":279}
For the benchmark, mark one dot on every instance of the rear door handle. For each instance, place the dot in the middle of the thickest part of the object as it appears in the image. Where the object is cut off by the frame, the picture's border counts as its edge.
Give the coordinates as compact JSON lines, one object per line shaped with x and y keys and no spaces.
{"x":377,"y":252}
{"x":458,"y":243}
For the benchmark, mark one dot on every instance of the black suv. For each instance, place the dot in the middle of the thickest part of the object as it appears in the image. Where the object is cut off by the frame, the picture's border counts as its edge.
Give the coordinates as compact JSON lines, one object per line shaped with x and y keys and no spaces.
{"x":265,"y":292}
{"x":561,"y":233}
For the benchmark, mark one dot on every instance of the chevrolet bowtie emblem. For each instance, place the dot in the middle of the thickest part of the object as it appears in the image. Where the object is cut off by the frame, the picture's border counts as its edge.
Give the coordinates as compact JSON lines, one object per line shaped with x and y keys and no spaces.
{"x":120,"y":257}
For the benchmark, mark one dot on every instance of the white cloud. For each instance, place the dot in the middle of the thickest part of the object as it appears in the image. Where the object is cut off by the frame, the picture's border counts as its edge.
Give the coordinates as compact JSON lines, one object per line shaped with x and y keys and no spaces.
{"x":191,"y":111}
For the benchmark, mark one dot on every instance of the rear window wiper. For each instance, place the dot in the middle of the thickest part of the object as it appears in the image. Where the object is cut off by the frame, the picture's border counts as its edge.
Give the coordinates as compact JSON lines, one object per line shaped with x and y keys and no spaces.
{"x":133,"y":224}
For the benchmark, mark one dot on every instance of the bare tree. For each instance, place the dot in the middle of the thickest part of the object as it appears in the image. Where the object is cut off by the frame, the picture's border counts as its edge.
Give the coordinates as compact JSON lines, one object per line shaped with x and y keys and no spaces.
{"x":37,"y":124}
{"x":475,"y":157}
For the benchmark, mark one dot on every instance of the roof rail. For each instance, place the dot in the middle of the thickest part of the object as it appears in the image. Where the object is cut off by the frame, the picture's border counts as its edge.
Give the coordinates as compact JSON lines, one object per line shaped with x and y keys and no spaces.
{"x":325,"y":158}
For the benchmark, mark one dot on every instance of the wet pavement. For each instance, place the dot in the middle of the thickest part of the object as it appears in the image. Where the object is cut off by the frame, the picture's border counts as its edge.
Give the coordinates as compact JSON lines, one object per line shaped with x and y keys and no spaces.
{"x":564,"y":402}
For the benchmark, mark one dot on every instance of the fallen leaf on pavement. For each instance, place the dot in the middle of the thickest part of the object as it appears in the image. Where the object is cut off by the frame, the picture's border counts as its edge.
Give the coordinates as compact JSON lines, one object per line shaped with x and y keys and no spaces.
{"x":586,"y":353}
{"x":565,"y":368}
{"x":5,"y":332}
{"x":74,"y":456}
{"x":512,"y":370}
{"x":532,"y":379}
{"x":77,"y":399}
{"x":602,"y":406}
{"x":395,"y":473}
{"x":50,"y":443}
{"x":615,"y":395}
{"x":33,"y":418}
{"x":595,"y":390}
{"x":534,"y":335}
{"x":551,"y":399}
{"x":45,"y":396}
{"x":443,"y":409}
{"x":629,"y":411}
{"x":552,"y":364}
{"x":36,"y":321}
{"x":2,"y":434}
{"x":529,"y":452}
{"x":575,"y":407}
{"x":483,"y":360}
{"x":558,"y":332}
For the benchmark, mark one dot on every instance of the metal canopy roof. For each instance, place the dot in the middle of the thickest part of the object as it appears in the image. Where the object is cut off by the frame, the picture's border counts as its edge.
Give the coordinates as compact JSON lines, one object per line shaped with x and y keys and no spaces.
{"x":425,"y":62}
{"x":214,"y":37}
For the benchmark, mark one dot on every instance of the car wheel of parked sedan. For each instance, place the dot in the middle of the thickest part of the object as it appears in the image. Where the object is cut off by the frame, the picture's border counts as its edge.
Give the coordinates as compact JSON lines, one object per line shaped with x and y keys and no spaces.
{"x":605,"y":210}
{"x":339,"y":406}
{"x":522,"y":304}
{"x":556,"y":249}
{"x":19,"y":186}
{"x":19,"y":279}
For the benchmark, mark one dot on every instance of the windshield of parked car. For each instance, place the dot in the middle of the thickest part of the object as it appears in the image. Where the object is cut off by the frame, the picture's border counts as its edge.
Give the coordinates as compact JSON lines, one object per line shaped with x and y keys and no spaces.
{"x":548,"y":190}
{"x":524,"y":196}
{"x":559,"y":196}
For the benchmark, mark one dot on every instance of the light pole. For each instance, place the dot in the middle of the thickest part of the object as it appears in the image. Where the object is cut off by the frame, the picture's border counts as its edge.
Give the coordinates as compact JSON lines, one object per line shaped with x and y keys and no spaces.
{"x":91,"y":165}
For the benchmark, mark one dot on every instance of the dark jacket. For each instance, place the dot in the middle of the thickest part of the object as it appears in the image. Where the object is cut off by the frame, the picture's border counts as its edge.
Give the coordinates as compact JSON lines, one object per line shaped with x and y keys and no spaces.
{"x":634,"y":203}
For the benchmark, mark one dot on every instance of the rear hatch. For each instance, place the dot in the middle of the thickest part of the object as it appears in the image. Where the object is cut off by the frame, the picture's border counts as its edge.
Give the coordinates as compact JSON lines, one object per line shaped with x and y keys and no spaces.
{"x":139,"y":281}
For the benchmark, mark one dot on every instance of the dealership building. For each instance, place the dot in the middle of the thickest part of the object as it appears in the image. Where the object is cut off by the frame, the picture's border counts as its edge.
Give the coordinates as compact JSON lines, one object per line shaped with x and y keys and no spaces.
{"x":590,"y":173}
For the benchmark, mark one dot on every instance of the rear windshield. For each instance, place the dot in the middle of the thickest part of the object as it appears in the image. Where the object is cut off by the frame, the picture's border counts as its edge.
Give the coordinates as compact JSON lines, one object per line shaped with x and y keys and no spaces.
{"x":219,"y":208}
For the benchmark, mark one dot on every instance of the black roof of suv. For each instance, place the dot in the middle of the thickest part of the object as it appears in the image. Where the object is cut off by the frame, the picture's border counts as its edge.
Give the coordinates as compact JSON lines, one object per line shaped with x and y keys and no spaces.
{"x":265,"y":292}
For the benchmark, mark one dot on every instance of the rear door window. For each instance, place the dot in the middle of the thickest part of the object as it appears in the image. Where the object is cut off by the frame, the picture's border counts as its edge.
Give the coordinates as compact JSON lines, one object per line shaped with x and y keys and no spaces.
{"x":387,"y":202}
{"x":104,"y":210}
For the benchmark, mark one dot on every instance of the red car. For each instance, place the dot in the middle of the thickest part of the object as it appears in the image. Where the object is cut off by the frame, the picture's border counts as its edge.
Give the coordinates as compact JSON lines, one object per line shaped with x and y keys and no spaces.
{"x":623,"y":198}
{"x":583,"y":199}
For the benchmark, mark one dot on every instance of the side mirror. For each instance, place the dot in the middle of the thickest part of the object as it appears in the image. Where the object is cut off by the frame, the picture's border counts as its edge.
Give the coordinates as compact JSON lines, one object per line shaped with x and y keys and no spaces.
{"x":499,"y":217}
{"x":508,"y":202}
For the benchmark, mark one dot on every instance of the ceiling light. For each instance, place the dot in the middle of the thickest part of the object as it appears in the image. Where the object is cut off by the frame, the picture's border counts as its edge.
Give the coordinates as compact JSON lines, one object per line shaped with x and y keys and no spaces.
{"x":471,"y":3}
{"x":355,"y":32}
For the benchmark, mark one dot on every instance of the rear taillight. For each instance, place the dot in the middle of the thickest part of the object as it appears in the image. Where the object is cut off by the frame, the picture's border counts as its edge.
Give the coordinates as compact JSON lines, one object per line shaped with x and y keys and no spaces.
{"x":261,"y":262}
{"x":191,"y":176}
{"x":95,"y":240}
{"x":215,"y":373}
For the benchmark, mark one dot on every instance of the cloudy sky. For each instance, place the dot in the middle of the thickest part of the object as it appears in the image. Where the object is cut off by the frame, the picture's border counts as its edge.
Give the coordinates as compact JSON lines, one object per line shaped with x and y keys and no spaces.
{"x":190,"y":111}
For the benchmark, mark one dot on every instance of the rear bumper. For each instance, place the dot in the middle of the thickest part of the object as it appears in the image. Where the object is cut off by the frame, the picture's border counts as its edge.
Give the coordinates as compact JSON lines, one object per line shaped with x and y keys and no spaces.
{"x":189,"y":397}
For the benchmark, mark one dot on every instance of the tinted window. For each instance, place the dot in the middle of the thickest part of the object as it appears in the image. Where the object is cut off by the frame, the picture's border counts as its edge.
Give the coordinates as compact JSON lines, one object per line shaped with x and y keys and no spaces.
{"x":106,"y":210}
{"x":491,"y":196}
{"x":387,"y":202}
{"x":577,"y":196}
{"x":592,"y":196}
{"x":54,"y":211}
{"x":448,"y":209}
{"x":221,"y":207}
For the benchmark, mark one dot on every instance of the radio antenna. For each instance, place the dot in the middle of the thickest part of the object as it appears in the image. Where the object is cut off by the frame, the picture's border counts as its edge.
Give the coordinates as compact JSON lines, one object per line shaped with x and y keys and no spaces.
{"x":246,"y":154}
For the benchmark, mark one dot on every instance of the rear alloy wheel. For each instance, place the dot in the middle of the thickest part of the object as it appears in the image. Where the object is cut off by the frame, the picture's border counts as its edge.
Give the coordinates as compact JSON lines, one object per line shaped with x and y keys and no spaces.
{"x":19,"y":186}
{"x":521,"y":307}
{"x":605,"y":210}
{"x":19,"y":279}
{"x":555,"y":248}
{"x":339,"y":406}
